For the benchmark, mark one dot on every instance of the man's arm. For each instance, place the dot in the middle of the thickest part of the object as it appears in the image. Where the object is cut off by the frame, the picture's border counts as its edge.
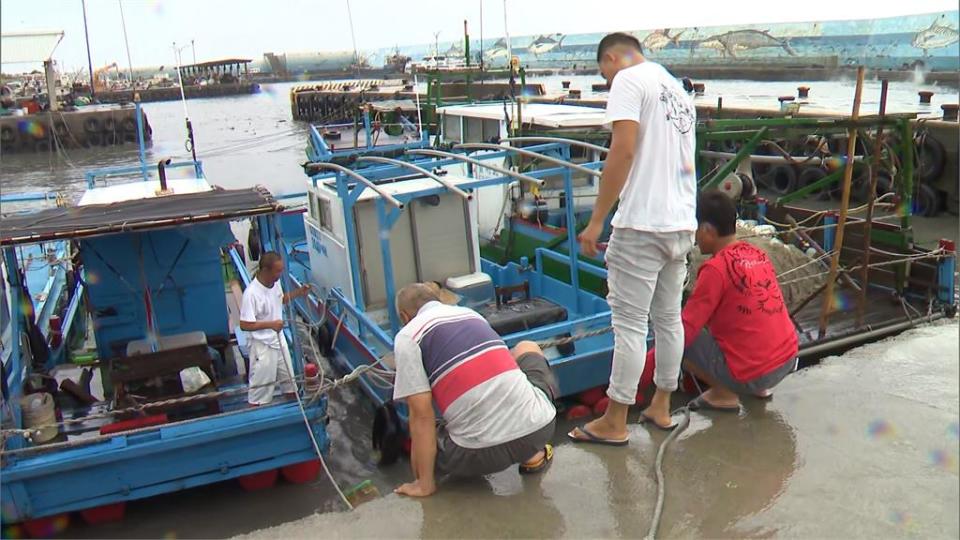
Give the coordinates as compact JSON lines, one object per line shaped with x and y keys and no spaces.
{"x":616,"y":167}
{"x":423,"y":451}
{"x":302,"y":291}
{"x":248,"y":326}
{"x":702,"y":303}
{"x":248,"y":316}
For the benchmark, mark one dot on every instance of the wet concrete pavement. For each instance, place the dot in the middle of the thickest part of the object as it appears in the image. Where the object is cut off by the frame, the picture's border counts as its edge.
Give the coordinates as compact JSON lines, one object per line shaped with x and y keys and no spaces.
{"x":863,"y":445}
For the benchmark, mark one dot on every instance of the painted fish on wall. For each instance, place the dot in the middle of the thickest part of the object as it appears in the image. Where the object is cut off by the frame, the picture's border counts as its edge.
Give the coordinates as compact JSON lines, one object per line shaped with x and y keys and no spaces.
{"x":659,"y":39}
{"x":744,"y":40}
{"x":938,"y":34}
{"x":545,"y":44}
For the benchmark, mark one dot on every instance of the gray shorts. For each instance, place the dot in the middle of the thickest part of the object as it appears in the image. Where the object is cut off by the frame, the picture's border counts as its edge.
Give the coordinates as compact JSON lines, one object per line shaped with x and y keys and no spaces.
{"x":459,"y":461}
{"x":705,"y":353}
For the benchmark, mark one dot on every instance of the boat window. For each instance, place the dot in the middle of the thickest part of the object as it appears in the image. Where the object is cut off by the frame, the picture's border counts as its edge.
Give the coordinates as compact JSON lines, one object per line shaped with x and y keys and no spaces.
{"x":474,"y":129}
{"x":311,"y":199}
{"x":491,"y":130}
{"x":325,"y":217}
{"x":451,"y":128}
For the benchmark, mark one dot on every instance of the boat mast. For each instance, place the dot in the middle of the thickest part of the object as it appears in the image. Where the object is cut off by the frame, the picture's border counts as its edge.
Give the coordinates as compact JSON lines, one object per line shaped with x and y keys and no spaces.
{"x":506,"y":31}
{"x":190,"y":144}
{"x":353,"y":38}
{"x":481,"y":38}
{"x":86,"y":34}
{"x":123,"y":22}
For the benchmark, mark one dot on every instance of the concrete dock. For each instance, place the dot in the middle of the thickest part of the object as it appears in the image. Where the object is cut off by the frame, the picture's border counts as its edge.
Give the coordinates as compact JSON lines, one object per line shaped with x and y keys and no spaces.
{"x":862,"y":446}
{"x":85,"y":127}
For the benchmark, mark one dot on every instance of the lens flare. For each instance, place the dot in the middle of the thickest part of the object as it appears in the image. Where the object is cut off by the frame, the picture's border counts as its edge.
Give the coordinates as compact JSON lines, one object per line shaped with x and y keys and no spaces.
{"x":880,"y":428}
{"x":901,"y":518}
{"x":954,"y":430}
{"x":942,"y":459}
{"x":31,"y":127}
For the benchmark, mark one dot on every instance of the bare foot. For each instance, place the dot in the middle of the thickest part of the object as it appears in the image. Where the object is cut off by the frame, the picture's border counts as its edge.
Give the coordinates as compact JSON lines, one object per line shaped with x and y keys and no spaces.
{"x":657,"y":416}
{"x":536,"y":459}
{"x":721,"y":399}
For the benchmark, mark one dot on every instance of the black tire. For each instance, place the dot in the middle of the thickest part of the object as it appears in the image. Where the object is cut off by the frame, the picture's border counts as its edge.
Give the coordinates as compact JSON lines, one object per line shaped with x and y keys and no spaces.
{"x":91,"y":125}
{"x":94,"y":139}
{"x":129,"y":125}
{"x":253,"y":244}
{"x":41,"y":146}
{"x":7,"y":135}
{"x":931,"y":158}
{"x":60,"y":129}
{"x":109,"y":138}
{"x":860,"y":190}
{"x":109,"y":124}
{"x":387,"y":435}
{"x":926,"y":201}
{"x":324,"y":340}
{"x":809,"y":175}
{"x":782,"y":179}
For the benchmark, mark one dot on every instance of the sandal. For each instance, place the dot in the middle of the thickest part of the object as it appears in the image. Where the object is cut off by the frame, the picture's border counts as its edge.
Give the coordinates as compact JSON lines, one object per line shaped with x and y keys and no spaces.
{"x":540,"y":465}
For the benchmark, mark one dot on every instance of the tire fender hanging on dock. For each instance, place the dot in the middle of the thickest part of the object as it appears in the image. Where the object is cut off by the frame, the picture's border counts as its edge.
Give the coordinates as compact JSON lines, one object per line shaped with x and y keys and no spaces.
{"x":387,"y":436}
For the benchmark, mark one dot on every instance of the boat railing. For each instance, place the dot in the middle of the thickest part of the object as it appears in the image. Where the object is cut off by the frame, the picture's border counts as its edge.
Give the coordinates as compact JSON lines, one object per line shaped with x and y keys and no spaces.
{"x":107,"y":172}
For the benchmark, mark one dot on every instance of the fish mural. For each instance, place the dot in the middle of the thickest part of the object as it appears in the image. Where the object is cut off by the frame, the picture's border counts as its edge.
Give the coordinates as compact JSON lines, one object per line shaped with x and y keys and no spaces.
{"x":927,"y":39}
{"x":744,"y":40}
{"x":939,"y":34}
{"x":545,"y":44}
{"x":499,"y":50}
{"x":659,"y":39}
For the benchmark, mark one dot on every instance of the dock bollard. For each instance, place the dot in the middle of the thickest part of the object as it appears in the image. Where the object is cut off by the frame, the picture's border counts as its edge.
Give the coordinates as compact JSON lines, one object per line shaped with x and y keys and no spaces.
{"x":925,"y":96}
{"x":699,"y":88}
{"x":574,"y":93}
{"x":565,"y":84}
{"x":599,"y":87}
{"x":803,"y":92}
{"x":950,"y":111}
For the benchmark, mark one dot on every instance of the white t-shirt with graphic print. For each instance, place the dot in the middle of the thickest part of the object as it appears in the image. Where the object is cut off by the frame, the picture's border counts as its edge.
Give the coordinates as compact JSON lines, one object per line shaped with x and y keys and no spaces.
{"x":661,"y":190}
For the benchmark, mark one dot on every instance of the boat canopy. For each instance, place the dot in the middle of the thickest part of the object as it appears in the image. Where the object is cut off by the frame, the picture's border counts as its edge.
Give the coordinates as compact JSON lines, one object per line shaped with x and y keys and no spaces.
{"x":136,"y":215}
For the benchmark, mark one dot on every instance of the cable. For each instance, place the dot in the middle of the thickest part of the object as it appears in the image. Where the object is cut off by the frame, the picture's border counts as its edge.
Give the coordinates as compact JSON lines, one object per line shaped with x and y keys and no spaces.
{"x":658,"y":469}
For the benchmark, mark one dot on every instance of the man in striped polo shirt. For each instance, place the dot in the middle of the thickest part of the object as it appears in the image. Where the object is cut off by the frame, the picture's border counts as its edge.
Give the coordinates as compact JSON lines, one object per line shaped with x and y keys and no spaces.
{"x":497,"y":404}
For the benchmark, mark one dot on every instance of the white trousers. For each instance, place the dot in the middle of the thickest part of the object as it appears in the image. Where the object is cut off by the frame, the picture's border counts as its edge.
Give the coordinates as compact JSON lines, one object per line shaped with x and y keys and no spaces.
{"x":645,"y":273}
{"x":269,"y":366}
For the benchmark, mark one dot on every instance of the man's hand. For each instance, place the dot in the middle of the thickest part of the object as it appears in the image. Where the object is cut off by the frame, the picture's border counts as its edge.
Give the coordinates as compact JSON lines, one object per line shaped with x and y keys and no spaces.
{"x":416,"y":488}
{"x":589,"y":237}
{"x":303,"y":290}
{"x":276,"y":326}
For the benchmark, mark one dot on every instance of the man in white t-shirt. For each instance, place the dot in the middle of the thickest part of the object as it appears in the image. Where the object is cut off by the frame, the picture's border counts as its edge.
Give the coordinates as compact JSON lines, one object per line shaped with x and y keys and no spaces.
{"x":650,"y":169}
{"x":496,"y":404}
{"x":261,"y":316}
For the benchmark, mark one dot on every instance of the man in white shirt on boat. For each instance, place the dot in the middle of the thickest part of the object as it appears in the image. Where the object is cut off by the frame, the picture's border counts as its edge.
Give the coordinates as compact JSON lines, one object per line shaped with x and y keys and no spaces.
{"x":261,"y":316}
{"x":651,"y":170}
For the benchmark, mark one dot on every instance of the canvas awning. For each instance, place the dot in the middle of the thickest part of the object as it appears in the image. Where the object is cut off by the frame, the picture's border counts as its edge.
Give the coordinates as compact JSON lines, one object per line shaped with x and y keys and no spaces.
{"x":28,"y":47}
{"x":135,"y":215}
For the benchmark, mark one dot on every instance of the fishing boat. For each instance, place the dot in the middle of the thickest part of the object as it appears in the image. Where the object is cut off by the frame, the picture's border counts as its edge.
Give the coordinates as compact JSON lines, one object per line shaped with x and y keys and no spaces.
{"x":386,"y":222}
{"x":154,"y":401}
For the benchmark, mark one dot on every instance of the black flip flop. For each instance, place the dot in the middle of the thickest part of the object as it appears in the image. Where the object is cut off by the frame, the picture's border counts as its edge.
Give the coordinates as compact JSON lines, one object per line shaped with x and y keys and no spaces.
{"x":701,"y":404}
{"x":543,"y":464}
{"x":593,"y":439}
{"x":646,"y":420}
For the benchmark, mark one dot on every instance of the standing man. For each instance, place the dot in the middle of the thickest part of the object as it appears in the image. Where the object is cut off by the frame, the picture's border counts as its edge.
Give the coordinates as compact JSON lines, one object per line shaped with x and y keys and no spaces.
{"x":650,"y":168}
{"x":496,"y":404}
{"x":261,"y":316}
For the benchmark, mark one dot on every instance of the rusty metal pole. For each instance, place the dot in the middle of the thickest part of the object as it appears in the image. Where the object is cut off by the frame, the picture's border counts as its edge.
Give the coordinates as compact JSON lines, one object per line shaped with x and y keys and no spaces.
{"x":827,"y":306}
{"x":871,"y":199}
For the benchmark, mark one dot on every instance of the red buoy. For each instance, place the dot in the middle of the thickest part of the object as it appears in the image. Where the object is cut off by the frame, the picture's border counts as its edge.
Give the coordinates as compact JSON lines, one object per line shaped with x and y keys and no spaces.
{"x":600,"y":407}
{"x":46,"y":527}
{"x":591,"y":396}
{"x":259,"y":481}
{"x":578,"y":411}
{"x":107,"y":513}
{"x":303,"y":472}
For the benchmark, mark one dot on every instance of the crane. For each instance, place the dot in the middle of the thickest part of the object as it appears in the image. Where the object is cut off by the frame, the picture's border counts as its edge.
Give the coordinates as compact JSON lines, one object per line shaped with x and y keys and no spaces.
{"x":96,"y":75}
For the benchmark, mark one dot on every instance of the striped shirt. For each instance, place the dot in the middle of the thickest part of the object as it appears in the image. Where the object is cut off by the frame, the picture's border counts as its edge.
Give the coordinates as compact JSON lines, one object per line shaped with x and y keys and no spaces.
{"x":483,"y":396}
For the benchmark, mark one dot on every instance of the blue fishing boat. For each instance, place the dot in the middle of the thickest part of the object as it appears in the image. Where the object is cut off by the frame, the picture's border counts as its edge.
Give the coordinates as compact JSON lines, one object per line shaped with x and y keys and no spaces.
{"x":159,"y":401}
{"x":387,"y":221}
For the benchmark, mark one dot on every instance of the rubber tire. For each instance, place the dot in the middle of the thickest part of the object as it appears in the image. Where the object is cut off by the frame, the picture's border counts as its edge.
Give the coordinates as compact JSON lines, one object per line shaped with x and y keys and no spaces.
{"x":860,"y":190}
{"x":91,"y":125}
{"x":782,"y":179}
{"x":809,"y":175}
{"x":926,"y":202}
{"x":931,"y":158}
{"x":387,"y":435}
{"x":7,"y":134}
{"x":253,"y":244}
{"x":109,"y":124}
{"x":94,"y":139}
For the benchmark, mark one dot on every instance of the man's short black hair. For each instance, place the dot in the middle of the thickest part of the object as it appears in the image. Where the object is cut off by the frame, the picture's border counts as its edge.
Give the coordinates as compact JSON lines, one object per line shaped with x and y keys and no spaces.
{"x":268,"y":259}
{"x":717,"y":209}
{"x":614,"y":39}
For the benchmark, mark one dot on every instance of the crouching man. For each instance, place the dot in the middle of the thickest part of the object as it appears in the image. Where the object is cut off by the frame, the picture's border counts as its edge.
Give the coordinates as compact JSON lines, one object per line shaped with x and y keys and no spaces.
{"x":738,"y":335}
{"x":496,"y":404}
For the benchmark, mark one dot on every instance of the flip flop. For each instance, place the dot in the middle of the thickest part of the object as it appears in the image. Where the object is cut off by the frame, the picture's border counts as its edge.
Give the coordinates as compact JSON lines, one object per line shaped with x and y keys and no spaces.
{"x":701,"y":404}
{"x":765,"y":395}
{"x":593,"y":439}
{"x":646,"y":420}
{"x":540,"y":465}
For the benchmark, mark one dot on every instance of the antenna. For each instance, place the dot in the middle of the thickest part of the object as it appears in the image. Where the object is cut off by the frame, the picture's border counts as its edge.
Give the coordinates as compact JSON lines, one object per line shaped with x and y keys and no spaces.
{"x":506,"y":31}
{"x":353,"y":38}
{"x":126,"y":42}
{"x":190,"y":143}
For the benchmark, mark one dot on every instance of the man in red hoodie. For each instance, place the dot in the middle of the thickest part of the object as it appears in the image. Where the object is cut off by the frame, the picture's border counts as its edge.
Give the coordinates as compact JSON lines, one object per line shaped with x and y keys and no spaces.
{"x":738,"y":336}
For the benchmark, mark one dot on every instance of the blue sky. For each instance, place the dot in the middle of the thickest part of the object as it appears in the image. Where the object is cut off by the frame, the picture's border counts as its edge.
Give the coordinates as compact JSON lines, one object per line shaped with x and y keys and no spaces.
{"x":248,"y":28}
